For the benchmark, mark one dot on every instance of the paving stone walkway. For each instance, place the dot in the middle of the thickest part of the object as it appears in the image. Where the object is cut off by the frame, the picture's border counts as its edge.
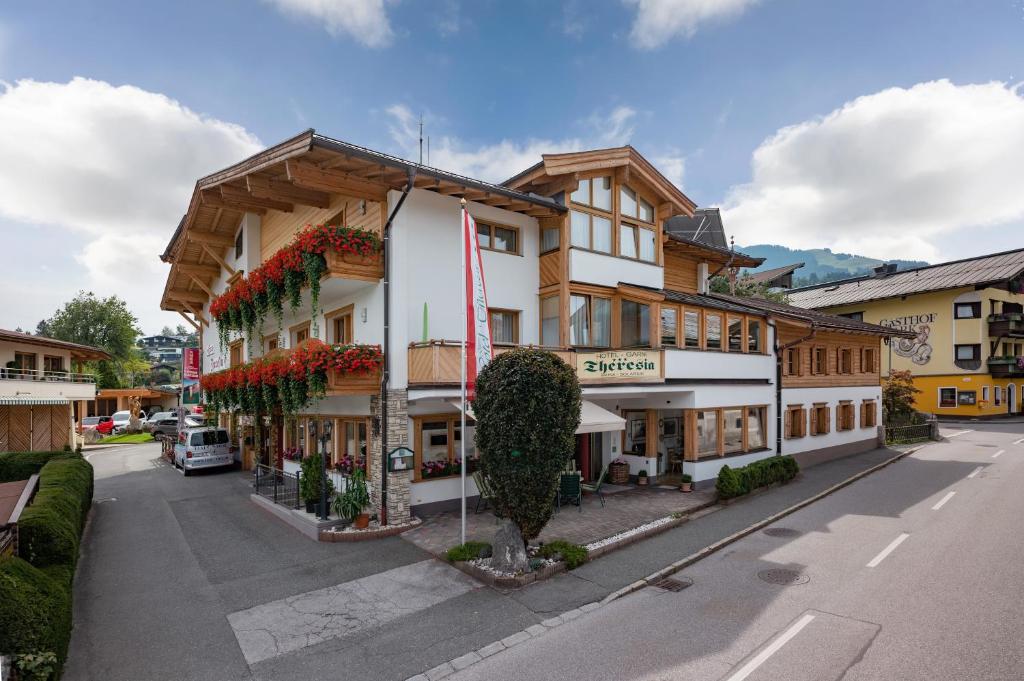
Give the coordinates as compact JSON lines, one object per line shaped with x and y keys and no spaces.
{"x":622,"y":511}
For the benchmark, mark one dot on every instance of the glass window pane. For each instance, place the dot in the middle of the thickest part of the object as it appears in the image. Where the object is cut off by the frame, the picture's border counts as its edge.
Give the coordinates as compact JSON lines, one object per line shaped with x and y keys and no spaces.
{"x":627,"y":241}
{"x":733,"y":430}
{"x":713,"y":332}
{"x":505,"y":239}
{"x":647,"y":245}
{"x":755,"y":428}
{"x":627,"y":201}
{"x":434,"y":449}
{"x":668,"y":326}
{"x":582,"y":194}
{"x":483,"y":234}
{"x":602,"y":316}
{"x":549,"y":239}
{"x":602,"y":234}
{"x":753,"y":335}
{"x":602,"y":187}
{"x":549,"y":321}
{"x":707,"y":433}
{"x":691,"y":322}
{"x":580,"y":229}
{"x":579,"y":320}
{"x":646,"y":211}
{"x":735,"y":334}
{"x":503,"y":326}
{"x":635,"y":324}
{"x":636,"y":433}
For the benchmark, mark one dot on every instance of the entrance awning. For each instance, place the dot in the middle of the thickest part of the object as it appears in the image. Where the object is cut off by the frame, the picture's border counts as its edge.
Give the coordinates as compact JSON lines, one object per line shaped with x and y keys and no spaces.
{"x":593,"y":419}
{"x":30,"y":401}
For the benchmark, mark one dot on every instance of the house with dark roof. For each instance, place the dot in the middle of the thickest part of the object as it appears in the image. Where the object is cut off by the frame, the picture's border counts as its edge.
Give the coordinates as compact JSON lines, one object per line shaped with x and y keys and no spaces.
{"x":966,"y":318}
{"x":775,"y":278}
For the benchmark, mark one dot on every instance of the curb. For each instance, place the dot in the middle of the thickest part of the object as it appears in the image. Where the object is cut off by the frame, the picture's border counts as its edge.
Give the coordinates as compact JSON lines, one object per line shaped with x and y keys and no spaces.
{"x":446,"y":669}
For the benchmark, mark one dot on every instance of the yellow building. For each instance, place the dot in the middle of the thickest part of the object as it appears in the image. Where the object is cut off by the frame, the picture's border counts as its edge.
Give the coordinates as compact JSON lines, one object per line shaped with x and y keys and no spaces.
{"x":968,"y":355}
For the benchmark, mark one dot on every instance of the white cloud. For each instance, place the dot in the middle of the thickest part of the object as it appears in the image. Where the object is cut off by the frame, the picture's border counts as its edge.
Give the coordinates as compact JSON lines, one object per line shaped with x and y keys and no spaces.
{"x":658,"y":21}
{"x":889,"y":174}
{"x":449,"y":18}
{"x":115,"y":167}
{"x":366,"y":21}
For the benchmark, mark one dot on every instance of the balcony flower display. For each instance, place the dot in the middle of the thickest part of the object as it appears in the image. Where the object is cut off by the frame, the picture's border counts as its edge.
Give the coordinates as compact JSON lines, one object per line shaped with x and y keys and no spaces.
{"x":290,"y":380}
{"x":245,"y":305}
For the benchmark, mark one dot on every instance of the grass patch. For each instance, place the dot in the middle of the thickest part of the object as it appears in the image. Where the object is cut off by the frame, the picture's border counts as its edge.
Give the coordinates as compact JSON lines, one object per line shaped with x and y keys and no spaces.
{"x":468,"y":551}
{"x":574,"y":555}
{"x":127,"y":438}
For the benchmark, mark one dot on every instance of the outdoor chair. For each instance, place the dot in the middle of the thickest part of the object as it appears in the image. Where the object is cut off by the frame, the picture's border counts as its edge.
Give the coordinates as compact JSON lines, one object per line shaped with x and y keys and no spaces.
{"x":484,"y":489}
{"x":595,"y":488}
{"x":570,"y":490}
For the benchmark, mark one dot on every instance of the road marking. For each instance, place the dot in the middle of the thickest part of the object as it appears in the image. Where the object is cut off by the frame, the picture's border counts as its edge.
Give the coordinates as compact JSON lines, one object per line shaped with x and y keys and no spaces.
{"x":759,"y":659}
{"x":959,"y":433}
{"x":976,"y":471}
{"x":996,"y":455}
{"x":887,"y":550}
{"x":1017,"y":442}
{"x":942,"y":501}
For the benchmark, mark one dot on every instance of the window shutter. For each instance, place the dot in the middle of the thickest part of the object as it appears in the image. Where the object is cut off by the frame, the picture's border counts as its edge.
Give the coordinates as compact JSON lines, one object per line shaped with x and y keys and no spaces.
{"x":828,"y":419}
{"x":863,"y":413}
{"x":813,"y":421}
{"x":789,"y":424}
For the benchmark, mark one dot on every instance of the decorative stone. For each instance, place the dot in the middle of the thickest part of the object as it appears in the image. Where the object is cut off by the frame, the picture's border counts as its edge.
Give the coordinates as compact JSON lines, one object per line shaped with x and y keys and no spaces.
{"x":509,"y":552}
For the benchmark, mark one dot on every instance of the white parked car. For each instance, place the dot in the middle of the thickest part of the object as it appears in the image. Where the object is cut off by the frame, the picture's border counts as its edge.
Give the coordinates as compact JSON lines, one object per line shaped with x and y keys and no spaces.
{"x":121,"y":419}
{"x":204,"y":447}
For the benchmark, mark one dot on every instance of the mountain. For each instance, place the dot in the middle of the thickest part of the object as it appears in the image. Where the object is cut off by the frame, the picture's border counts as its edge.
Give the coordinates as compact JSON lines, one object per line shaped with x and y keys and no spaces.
{"x":820,"y":264}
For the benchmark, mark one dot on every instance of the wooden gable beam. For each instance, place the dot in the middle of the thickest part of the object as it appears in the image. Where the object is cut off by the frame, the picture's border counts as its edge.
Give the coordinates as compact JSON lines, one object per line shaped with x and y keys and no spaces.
{"x":183,"y":296}
{"x":497,"y":201}
{"x":220,"y":261}
{"x":201,"y":284}
{"x":210,"y":239}
{"x":474,"y":194}
{"x":242,"y":196}
{"x":197,"y":314}
{"x":451,"y":190}
{"x":310,"y":176}
{"x":214,"y":199}
{"x":539,"y":212}
{"x":192,"y":322}
{"x":264,"y":188}
{"x":195,"y":268}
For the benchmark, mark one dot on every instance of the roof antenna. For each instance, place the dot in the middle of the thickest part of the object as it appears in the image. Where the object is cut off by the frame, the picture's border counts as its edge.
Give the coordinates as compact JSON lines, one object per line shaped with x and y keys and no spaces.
{"x":428,"y":150}
{"x":421,"y":139}
{"x":732,"y":243}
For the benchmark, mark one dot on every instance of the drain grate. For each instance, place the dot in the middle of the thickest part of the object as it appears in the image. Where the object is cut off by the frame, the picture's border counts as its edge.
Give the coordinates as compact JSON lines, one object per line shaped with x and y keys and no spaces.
{"x":672,"y":584}
{"x":782,"y":532}
{"x":783,"y":577}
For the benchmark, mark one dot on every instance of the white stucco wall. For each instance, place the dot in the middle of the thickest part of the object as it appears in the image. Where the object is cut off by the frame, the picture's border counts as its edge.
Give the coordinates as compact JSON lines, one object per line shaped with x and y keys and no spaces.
{"x":49,"y":388}
{"x":698,"y":364}
{"x":607,"y":270}
{"x":832,"y":396}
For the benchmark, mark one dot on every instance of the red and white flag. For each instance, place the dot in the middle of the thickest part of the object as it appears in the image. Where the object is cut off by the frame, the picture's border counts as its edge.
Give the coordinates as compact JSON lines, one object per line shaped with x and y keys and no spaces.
{"x":478,"y":331}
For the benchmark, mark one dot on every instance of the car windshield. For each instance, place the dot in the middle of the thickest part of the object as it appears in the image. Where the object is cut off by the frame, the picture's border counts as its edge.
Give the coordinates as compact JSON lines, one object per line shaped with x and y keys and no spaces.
{"x":122,"y":416}
{"x":209,"y":437}
{"x":90,"y":420}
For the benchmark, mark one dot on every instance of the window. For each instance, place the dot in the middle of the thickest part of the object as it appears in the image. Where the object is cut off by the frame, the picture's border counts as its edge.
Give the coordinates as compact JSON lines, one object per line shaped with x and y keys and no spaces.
{"x":820,"y":361}
{"x":549,"y":321}
{"x":691,"y":329}
{"x":236,"y":354}
{"x":504,"y":326}
{"x":271,"y":342}
{"x":635,"y":206}
{"x":732,"y":431}
{"x":756,"y":438}
{"x":351,"y":451}
{"x":713,"y":331}
{"x":867,"y":362}
{"x":636,"y":324}
{"x":845,"y":361}
{"x":669,"y":317}
{"x":796,"y":421}
{"x":967,"y":310}
{"x":53,"y":363}
{"x":845,"y":419}
{"x":596,"y":192}
{"x":25,"y":361}
{"x":753,"y":335}
{"x":868,"y":414}
{"x":497,"y":237}
{"x":636,"y":433}
{"x":637,"y":242}
{"x":856,"y":316}
{"x":300,"y":333}
{"x":591,"y":231}
{"x":967,"y":397}
{"x":627,"y":241}
{"x":646,"y":237}
{"x":984,"y":393}
{"x":735,"y":334}
{"x":998,"y":395}
{"x":590,"y":320}
{"x":968,"y":352}
{"x":238,"y":244}
{"x":707,"y":434}
{"x":947,"y":397}
{"x":820,"y":419}
{"x":549,"y":239}
{"x":793,"y":367}
{"x":438,"y":446}
{"x":339,"y":325}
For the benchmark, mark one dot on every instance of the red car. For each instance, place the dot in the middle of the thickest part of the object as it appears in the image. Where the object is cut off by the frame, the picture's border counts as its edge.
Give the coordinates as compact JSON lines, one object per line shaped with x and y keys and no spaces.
{"x":106,"y":426}
{"x":103,"y":424}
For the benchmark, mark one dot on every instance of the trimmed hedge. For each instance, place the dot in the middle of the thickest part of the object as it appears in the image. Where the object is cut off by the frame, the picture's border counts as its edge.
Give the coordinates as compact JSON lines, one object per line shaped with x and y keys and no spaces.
{"x":735,"y":482}
{"x":51,"y":526}
{"x":35,"y":609}
{"x":23,"y":465}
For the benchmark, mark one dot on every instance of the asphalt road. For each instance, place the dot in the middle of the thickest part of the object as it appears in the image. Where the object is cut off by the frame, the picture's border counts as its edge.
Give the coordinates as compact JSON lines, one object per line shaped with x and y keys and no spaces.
{"x":914,"y":572}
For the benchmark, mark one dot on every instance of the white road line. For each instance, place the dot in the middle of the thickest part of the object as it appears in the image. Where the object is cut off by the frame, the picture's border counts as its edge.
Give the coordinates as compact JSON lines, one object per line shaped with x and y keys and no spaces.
{"x":942,"y":501}
{"x":976,"y":471}
{"x":887,"y":550}
{"x":996,"y":455}
{"x":759,"y":659}
{"x":959,"y":433}
{"x":1020,"y":441}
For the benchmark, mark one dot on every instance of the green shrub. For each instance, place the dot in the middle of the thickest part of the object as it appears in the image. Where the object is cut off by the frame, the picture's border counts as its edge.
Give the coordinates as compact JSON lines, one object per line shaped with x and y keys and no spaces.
{"x":468,"y":551}
{"x":739,"y":481}
{"x":728,"y":484}
{"x":35,"y":610}
{"x":574,"y":555}
{"x":51,"y":526}
{"x":23,"y":465}
{"x":309,"y":481}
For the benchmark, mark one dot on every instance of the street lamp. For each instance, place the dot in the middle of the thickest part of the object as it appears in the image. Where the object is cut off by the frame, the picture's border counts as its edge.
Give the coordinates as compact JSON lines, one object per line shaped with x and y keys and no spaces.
{"x":325,"y":437}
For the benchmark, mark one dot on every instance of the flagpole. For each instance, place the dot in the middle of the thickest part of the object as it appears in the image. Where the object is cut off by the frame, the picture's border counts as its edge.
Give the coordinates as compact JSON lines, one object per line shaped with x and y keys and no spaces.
{"x":465,"y":339}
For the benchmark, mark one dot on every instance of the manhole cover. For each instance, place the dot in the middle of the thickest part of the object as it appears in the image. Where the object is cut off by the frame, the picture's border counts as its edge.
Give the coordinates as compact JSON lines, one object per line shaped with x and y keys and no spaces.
{"x":671,"y":584}
{"x":783,"y":577}
{"x":782,"y":532}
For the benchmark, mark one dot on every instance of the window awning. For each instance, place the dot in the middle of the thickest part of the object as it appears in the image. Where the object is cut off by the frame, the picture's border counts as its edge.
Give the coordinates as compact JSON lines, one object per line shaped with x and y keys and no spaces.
{"x":593,"y":419}
{"x":29,"y":401}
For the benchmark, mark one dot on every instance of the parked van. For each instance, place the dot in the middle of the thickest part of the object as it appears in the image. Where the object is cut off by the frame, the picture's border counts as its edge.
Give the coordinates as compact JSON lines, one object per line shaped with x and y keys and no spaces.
{"x":204,"y":447}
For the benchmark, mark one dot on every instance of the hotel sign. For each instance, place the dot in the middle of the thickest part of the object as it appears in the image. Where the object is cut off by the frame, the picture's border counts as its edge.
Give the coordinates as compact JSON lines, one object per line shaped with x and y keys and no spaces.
{"x":619,"y":366}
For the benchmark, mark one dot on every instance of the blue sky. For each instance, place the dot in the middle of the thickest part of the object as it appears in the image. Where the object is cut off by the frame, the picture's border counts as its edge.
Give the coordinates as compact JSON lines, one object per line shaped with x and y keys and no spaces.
{"x":749,"y":105}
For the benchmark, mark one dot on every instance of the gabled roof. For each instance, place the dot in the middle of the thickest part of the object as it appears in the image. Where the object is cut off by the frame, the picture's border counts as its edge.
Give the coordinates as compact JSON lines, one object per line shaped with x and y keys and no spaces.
{"x":704,"y":226}
{"x":727,"y":256}
{"x":996,"y":268}
{"x":766,"y":276}
{"x":812,"y":317}
{"x":78,"y":351}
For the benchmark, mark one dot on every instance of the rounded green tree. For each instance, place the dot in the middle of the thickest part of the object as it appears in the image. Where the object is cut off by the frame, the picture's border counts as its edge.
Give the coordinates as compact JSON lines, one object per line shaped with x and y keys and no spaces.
{"x":527,"y":410}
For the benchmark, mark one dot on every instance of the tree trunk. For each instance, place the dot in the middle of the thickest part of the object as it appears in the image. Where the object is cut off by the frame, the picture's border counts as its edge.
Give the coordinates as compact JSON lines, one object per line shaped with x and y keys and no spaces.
{"x":509,"y":552}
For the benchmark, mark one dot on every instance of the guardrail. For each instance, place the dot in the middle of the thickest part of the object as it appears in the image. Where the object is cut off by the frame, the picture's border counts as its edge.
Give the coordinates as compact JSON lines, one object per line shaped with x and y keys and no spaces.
{"x":16,"y":374}
{"x":276,"y":485}
{"x":908,"y":434}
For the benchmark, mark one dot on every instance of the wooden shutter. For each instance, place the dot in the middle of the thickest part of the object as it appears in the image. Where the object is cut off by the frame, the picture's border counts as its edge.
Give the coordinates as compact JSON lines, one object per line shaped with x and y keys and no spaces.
{"x":60,"y":425}
{"x":828,"y":419}
{"x":20,"y":429}
{"x":789,"y":424}
{"x":41,"y":428}
{"x":813,"y":421}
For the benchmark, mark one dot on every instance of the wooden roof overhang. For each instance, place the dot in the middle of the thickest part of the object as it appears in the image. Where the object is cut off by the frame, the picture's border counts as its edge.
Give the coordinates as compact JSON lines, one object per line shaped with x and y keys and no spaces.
{"x":77,"y":351}
{"x":562,"y":172}
{"x":304,"y":170}
{"x":719,"y":256}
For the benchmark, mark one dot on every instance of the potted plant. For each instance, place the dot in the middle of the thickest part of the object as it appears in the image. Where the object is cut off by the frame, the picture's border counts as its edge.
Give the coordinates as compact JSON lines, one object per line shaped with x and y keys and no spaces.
{"x":618,"y":471}
{"x":309,"y":483}
{"x":686,"y":485}
{"x":641,"y":477}
{"x":351,"y":503}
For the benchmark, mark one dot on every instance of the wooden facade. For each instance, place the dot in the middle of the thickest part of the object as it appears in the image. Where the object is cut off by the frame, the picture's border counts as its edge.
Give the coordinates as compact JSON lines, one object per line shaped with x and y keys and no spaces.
{"x":40,"y":427}
{"x":849,"y":359}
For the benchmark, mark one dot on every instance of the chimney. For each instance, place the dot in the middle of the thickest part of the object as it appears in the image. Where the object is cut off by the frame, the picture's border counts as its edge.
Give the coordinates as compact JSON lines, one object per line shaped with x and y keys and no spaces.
{"x":884,"y":270}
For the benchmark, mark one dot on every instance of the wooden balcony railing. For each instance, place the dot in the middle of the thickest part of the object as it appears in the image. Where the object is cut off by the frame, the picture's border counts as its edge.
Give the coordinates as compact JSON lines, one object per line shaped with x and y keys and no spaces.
{"x":1006,"y":324}
{"x":1006,"y":367}
{"x":347,"y":266}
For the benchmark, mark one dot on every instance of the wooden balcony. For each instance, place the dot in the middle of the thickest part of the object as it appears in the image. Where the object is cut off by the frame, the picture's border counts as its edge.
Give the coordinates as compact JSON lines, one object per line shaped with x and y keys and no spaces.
{"x":346,"y":266}
{"x":1006,"y":367}
{"x":1009,"y":324}
{"x":439,"y":363}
